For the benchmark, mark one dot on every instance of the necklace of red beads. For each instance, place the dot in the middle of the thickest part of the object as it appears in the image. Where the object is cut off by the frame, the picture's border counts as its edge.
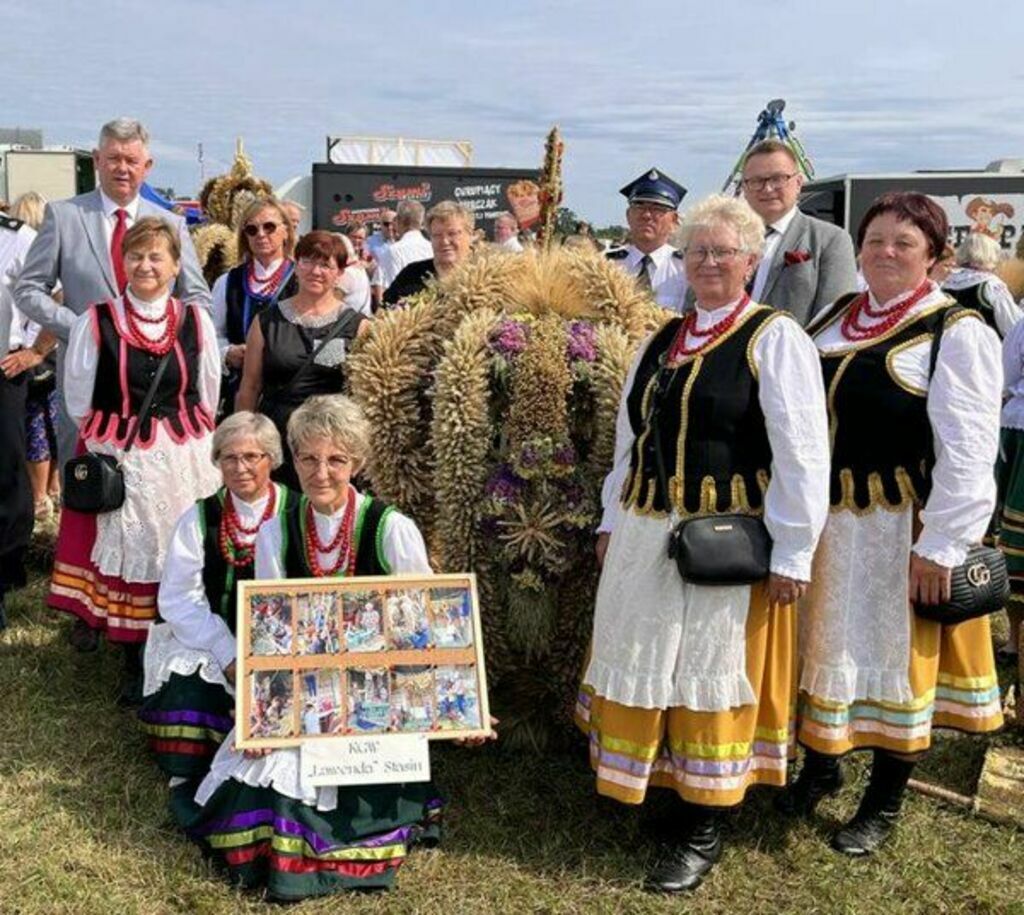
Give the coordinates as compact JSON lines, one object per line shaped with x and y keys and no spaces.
{"x":854,"y":330}
{"x":135,"y":319}
{"x":270,"y":284}
{"x":342,"y":542}
{"x":235,"y":539}
{"x":702,"y":338}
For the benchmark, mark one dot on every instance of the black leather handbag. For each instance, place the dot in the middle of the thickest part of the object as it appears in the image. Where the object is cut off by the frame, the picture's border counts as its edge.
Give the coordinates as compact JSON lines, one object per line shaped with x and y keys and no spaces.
{"x":981,"y":585}
{"x":94,"y":483}
{"x":713,"y":549}
{"x":978,"y":587}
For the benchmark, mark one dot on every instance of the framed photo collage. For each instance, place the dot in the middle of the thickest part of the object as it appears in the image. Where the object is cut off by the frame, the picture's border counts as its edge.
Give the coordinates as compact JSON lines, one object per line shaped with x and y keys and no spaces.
{"x":333,"y":658}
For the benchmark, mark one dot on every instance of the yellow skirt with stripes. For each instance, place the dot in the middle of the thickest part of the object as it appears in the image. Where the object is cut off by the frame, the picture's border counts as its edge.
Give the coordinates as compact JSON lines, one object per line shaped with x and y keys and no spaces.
{"x":708,"y":758}
{"x":953,"y":679}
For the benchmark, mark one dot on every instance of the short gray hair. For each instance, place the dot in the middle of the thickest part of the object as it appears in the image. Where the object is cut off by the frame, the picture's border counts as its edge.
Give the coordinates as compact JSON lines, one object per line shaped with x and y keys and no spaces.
{"x":124,"y":130}
{"x":980,"y":251}
{"x":410,"y":214}
{"x":505,"y":214}
{"x":335,"y":417}
{"x":255,"y":424}
{"x":718,"y":210}
{"x":449,"y":209}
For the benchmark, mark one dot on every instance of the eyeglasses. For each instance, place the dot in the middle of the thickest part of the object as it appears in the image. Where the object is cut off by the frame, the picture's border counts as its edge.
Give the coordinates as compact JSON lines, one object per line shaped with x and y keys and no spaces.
{"x":650,"y":209}
{"x":721,"y":255}
{"x":387,"y":223}
{"x":269,"y":228}
{"x":771,"y":182}
{"x":312,"y":263}
{"x":336,"y":464}
{"x":248,"y":459}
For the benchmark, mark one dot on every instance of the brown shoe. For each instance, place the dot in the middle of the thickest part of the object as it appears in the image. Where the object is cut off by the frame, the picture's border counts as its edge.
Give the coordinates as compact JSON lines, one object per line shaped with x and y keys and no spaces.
{"x":83,"y":637}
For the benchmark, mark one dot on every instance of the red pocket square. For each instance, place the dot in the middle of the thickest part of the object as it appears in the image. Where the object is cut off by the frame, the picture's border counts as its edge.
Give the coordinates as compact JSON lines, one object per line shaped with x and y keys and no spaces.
{"x":796,"y":257}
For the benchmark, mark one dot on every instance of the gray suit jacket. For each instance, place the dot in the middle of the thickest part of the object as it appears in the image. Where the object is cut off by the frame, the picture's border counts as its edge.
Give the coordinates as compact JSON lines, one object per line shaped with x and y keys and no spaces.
{"x":805,"y":288}
{"x":72,"y":248}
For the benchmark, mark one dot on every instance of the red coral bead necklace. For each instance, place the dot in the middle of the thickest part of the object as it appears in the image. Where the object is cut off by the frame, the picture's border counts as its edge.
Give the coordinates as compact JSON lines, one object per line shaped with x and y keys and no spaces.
{"x":342,"y":542}
{"x":703,"y":338}
{"x":854,"y":330}
{"x":235,"y":538}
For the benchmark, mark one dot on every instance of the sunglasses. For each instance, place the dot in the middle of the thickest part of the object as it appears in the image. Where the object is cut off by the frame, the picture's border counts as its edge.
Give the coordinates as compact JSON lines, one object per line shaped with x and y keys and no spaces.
{"x":269,"y":228}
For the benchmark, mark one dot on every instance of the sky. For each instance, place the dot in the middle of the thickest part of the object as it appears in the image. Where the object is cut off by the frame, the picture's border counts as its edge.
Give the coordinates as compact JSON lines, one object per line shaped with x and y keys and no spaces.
{"x":873,"y":87}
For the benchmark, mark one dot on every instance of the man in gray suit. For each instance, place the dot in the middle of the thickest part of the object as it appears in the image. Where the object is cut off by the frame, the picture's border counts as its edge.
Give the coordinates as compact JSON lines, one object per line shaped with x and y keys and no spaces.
{"x":75,"y":247}
{"x":807,"y":263}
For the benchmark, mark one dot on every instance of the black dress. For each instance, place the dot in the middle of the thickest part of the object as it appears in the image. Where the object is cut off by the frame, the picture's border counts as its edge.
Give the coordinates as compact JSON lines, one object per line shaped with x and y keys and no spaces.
{"x":287,"y":378}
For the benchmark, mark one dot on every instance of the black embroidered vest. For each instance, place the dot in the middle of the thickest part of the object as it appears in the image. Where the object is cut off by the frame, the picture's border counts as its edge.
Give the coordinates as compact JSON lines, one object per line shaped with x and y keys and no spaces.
{"x":973,"y":297}
{"x":878,"y":425}
{"x":177,"y":403}
{"x":713,"y":437}
{"x":220,"y":580}
{"x":368,"y":536}
{"x":234,"y":296}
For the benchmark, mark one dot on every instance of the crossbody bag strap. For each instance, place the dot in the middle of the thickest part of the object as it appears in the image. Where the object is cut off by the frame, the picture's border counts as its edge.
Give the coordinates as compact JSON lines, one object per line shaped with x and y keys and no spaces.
{"x":345,"y":321}
{"x":147,"y":402}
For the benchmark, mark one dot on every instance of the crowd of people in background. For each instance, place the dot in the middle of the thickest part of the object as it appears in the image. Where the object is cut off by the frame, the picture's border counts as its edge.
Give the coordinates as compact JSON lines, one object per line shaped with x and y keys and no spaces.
{"x":224,"y":413}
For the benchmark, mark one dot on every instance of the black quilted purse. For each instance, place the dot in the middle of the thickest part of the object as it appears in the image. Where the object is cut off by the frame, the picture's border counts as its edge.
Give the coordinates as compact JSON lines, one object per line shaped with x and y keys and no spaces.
{"x":714,"y":549}
{"x":982,"y":584}
{"x":94,"y":483}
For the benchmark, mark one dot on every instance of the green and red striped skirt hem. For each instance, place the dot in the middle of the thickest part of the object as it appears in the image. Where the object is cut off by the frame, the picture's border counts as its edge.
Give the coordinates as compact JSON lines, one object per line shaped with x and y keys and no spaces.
{"x":185,"y":722}
{"x":265,"y":839}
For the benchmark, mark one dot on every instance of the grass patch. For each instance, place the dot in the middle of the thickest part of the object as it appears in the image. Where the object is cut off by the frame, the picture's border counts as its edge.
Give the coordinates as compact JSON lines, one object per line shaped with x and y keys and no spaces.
{"x":85,"y":829}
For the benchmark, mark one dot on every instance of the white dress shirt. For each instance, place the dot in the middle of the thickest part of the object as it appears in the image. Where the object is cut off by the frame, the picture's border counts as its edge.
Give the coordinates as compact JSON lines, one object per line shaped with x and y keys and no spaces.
{"x":792,"y":397}
{"x":668,"y":276}
{"x":409,"y":249}
{"x":771,"y":246}
{"x":110,"y":212}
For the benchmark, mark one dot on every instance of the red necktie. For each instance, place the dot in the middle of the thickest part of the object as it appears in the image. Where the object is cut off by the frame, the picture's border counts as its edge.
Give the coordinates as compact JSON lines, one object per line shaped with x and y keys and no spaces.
{"x":116,"y":257}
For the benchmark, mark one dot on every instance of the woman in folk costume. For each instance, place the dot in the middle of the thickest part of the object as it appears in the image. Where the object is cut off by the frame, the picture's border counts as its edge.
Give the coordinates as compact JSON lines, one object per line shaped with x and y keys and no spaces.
{"x":190,"y":657}
{"x":253,"y":811}
{"x":874,"y":675}
{"x":107,"y":566}
{"x":974,"y":283}
{"x":265,"y":276}
{"x":692,"y":687}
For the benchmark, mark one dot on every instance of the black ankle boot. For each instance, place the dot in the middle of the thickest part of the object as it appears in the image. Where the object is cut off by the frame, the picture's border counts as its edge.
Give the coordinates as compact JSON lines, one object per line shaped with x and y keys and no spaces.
{"x":820,"y":777}
{"x":685,"y":861}
{"x":879,"y":808}
{"x":130,"y":694}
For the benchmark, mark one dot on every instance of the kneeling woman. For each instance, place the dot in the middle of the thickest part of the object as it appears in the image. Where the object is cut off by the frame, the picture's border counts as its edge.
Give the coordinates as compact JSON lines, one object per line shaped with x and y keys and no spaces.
{"x":874,"y":675}
{"x":691,"y":687}
{"x":253,"y":811}
{"x":190,"y":657}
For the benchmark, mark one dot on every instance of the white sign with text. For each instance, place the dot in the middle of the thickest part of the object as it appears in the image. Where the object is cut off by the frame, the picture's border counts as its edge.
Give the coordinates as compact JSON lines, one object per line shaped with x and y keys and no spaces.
{"x":379,"y":759}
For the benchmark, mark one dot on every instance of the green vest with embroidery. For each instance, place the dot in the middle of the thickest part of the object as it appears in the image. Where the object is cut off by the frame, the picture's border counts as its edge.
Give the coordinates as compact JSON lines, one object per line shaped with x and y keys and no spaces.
{"x":368,"y":537}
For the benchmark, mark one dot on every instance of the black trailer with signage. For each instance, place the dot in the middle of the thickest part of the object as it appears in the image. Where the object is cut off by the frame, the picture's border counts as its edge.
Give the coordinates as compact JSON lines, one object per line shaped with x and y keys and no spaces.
{"x":360,"y":193}
{"x":980,"y":201}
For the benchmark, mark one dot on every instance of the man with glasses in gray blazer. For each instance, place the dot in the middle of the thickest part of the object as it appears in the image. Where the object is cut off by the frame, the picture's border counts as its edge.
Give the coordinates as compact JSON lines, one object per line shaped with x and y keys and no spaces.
{"x":78,"y":247}
{"x":807,"y":263}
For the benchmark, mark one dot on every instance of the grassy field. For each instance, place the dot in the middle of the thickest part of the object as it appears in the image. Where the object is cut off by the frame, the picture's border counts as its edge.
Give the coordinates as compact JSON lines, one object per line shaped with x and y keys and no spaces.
{"x":84,"y":827}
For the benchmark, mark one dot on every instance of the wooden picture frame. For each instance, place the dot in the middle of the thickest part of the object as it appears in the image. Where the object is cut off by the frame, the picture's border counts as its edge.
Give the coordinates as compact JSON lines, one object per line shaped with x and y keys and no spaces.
{"x":338,"y":657}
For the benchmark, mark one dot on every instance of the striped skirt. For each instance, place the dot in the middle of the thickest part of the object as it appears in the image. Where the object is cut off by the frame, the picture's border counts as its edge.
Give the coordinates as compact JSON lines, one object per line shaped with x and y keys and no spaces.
{"x":267,"y":839}
{"x":953,"y":679}
{"x":708,"y":758}
{"x":185,"y":722}
{"x":122,"y":609}
{"x":1010,"y":474}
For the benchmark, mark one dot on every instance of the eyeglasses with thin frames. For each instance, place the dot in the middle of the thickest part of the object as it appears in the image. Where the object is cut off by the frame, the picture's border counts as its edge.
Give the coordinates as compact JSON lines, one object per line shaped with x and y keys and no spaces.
{"x":268,"y":228}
